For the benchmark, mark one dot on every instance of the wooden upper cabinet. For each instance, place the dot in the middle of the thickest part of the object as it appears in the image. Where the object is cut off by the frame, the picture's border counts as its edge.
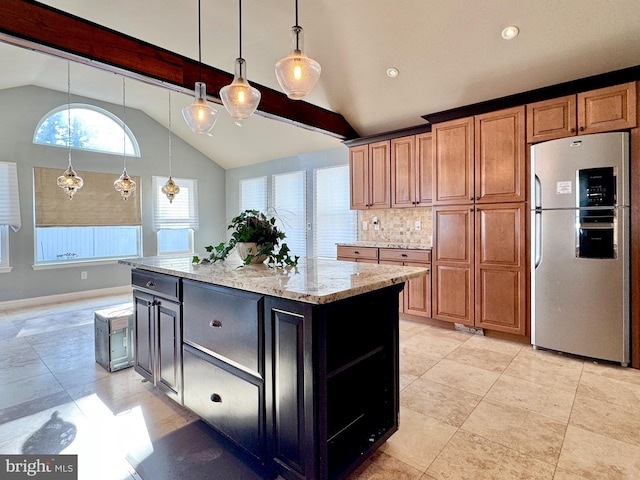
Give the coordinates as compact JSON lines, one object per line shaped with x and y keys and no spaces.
{"x":551,"y":119}
{"x":411,"y":171}
{"x":403,"y":172}
{"x":424,"y":164}
{"x":602,"y":110}
{"x":359,"y":177}
{"x":606,"y":109}
{"x":500,"y":156}
{"x":370,"y":176}
{"x":453,"y":162}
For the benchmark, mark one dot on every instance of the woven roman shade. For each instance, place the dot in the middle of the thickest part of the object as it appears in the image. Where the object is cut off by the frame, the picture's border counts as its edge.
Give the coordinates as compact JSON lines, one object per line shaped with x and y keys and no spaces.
{"x":96,"y":204}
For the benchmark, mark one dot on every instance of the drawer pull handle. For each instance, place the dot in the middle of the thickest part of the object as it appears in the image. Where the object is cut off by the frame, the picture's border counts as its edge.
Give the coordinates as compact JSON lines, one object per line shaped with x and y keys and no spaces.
{"x":215,"y":324}
{"x":215,"y":398}
{"x":404,"y":255}
{"x":356,"y":252}
{"x":150,"y":284}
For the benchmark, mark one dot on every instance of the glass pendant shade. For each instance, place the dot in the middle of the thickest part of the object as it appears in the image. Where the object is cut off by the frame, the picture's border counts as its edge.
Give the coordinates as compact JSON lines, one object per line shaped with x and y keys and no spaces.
{"x":297,"y":74}
{"x":239,"y":98}
{"x":125,"y":185}
{"x":170,"y":189}
{"x":70,"y":182}
{"x":200,"y":116}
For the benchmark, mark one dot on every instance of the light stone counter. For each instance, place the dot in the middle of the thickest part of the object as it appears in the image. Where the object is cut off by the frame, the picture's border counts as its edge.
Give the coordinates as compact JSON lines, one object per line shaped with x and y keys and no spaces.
{"x":412,"y":246}
{"x":314,"y":281}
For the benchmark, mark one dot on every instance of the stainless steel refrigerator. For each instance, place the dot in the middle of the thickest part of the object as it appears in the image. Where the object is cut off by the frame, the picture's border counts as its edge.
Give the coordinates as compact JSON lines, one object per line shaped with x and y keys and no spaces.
{"x":580,"y":246}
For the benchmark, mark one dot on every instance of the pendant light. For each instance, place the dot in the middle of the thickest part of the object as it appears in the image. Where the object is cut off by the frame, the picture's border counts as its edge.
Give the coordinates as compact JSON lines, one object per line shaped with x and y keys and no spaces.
{"x":170,"y":188}
{"x":297,"y":74}
{"x":239,"y":98}
{"x":125,"y":185}
{"x":69,"y":181}
{"x":200,"y":116}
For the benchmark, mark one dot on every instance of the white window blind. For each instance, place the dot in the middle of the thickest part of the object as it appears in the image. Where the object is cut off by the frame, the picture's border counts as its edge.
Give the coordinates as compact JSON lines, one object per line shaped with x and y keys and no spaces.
{"x":289,"y":203}
{"x":334,"y":222}
{"x":182,"y":212}
{"x":9,"y":196}
{"x":253,"y":194}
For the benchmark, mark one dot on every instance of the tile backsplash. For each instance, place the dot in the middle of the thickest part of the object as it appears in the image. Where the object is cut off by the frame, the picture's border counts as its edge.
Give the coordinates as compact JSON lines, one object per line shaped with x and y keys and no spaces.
{"x":396,"y":225}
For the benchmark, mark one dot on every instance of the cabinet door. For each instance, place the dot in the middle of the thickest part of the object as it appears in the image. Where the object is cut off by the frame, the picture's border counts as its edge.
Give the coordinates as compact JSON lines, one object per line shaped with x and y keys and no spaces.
{"x":417,"y":293}
{"x":403,"y":172}
{"x":359,"y":177}
{"x":606,"y":109}
{"x":424,"y":168}
{"x":380,"y":175}
{"x":453,"y":169}
{"x":144,"y":334}
{"x":453,"y":264}
{"x":500,"y":156}
{"x":501,"y":282}
{"x":169,"y":348}
{"x":551,"y":119}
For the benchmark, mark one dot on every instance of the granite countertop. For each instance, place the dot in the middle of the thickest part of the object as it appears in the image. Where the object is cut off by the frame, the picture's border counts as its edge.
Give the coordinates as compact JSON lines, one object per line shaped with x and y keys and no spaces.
{"x":411,"y":246}
{"x":315,"y":281}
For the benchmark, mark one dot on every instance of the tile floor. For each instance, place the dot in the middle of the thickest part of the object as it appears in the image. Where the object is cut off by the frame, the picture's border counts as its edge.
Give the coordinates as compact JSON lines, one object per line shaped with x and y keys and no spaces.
{"x":472,"y":407}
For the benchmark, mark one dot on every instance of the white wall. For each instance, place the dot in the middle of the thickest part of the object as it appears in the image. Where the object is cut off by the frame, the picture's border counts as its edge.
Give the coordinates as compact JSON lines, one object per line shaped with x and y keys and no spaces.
{"x":21,"y":110}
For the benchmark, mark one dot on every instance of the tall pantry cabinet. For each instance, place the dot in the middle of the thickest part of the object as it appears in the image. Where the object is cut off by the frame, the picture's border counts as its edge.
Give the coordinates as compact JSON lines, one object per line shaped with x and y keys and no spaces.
{"x":479,"y":214}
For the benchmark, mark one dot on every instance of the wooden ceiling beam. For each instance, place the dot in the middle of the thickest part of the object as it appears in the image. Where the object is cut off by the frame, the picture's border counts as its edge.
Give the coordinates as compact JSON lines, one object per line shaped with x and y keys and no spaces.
{"x":48,"y":30}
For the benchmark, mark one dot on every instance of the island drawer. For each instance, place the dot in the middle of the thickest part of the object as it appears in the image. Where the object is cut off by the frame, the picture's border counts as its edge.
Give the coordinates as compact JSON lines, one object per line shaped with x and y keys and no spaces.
{"x":405,"y":255}
{"x":157,"y":283}
{"x":226,"y":401}
{"x":353,"y":252}
{"x":225,"y":322}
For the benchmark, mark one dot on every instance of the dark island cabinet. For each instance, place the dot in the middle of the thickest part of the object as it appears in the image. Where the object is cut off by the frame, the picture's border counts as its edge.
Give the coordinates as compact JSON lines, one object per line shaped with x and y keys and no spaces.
{"x":308,"y":390}
{"x":158,"y":331}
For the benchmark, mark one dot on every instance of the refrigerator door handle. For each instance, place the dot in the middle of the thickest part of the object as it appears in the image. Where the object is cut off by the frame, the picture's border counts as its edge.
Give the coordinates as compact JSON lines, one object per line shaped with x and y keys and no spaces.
{"x":537,"y":244}
{"x":537,"y":194}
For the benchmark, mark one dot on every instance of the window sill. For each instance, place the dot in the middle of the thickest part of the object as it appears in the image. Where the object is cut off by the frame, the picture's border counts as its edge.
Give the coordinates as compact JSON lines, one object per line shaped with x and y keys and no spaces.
{"x":49,"y":266}
{"x":5,"y":269}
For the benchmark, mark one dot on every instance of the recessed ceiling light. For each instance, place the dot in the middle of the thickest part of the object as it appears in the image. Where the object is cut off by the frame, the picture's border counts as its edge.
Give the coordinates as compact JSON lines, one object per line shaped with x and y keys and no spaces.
{"x":392,"y":72}
{"x":510,"y":32}
{"x":238,"y":123}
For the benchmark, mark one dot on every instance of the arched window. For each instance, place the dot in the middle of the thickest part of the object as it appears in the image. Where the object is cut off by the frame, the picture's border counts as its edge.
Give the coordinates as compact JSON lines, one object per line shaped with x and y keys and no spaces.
{"x":92,"y":128}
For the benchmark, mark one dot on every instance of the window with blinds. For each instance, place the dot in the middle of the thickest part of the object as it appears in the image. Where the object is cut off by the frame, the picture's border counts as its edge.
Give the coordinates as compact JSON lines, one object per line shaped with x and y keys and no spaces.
{"x":9,"y":209}
{"x":289,"y":205}
{"x":174,"y":222}
{"x":253,"y":194}
{"x":96,"y":225}
{"x":334,"y":222}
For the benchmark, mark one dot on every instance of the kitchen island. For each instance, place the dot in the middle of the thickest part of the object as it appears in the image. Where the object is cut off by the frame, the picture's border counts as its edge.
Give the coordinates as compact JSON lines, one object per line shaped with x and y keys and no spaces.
{"x":297,"y":366}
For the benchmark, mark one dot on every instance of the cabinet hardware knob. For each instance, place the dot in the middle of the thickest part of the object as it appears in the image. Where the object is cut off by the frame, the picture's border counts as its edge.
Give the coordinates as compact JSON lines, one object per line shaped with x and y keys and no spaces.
{"x":572,"y":130}
{"x":470,"y":198}
{"x":477,"y":198}
{"x":150,"y":284}
{"x":216,"y":398}
{"x":215,"y":324}
{"x":582,"y":129}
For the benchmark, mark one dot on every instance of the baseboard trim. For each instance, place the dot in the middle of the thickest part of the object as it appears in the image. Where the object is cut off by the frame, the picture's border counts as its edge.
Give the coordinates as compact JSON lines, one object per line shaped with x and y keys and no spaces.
{"x":64,"y":297}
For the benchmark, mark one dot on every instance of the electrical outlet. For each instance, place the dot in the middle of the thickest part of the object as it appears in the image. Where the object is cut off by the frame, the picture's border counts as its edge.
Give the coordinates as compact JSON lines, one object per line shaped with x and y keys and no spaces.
{"x":365,"y":225}
{"x":417,"y":226}
{"x":83,"y":275}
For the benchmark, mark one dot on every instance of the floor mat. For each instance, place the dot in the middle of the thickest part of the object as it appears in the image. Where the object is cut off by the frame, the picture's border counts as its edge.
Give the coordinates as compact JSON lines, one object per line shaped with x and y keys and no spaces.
{"x":194,"y":452}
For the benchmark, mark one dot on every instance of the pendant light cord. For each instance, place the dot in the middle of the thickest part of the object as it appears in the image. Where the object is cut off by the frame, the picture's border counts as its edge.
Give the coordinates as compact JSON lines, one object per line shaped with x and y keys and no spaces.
{"x":199,"y":44}
{"x":124,"y":126}
{"x":297,"y":27}
{"x":169,"y":133}
{"x":69,"y":108}
{"x":240,"y":26}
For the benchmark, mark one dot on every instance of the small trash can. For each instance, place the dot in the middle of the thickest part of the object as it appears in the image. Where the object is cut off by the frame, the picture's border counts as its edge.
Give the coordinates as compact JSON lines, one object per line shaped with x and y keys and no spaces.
{"x":114,"y":337}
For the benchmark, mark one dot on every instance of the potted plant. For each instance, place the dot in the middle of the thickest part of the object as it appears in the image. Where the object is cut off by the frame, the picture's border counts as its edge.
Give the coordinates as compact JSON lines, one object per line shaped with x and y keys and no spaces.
{"x":256,"y":239}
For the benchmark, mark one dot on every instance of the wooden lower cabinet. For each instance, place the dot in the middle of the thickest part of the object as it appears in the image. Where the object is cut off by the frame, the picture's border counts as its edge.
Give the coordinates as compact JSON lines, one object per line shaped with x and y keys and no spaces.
{"x":351,"y":253}
{"x":415,"y":299}
{"x":480,"y":265}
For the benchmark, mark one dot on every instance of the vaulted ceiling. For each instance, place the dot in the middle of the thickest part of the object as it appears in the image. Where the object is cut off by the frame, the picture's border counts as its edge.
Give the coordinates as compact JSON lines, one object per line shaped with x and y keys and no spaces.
{"x":449,"y":53}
